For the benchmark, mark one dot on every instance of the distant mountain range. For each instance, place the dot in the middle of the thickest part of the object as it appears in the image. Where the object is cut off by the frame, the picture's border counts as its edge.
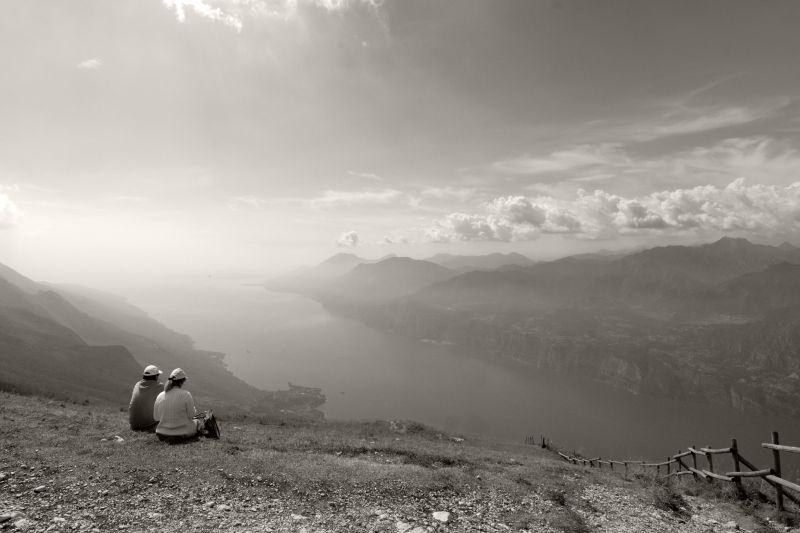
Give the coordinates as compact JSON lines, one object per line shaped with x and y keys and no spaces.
{"x":81,"y":344}
{"x":718,"y":322}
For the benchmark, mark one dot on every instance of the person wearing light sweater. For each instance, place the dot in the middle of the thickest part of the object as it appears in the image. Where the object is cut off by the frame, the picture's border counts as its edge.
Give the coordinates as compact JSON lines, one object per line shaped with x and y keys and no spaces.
{"x":175,"y":411}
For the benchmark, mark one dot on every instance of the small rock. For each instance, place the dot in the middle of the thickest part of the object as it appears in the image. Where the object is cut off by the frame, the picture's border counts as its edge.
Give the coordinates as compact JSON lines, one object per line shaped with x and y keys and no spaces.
{"x":155,"y":516}
{"x":223,"y":507}
{"x":731,"y":525}
{"x":59,"y":520}
{"x":117,"y":438}
{"x":441,"y":516}
{"x":40,"y":488}
{"x":23,"y":524}
{"x":298,"y":517}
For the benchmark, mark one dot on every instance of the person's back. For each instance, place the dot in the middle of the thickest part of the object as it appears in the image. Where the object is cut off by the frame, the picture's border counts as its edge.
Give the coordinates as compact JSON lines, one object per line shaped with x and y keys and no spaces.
{"x":140,"y":409}
{"x":174,"y":409}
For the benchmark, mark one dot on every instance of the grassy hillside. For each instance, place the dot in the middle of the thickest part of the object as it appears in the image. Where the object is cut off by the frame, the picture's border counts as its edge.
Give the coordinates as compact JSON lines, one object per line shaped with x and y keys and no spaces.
{"x":63,"y":468}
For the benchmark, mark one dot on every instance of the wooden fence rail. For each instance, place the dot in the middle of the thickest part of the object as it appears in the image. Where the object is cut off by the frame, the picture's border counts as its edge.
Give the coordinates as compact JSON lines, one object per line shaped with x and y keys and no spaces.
{"x":771,"y":475}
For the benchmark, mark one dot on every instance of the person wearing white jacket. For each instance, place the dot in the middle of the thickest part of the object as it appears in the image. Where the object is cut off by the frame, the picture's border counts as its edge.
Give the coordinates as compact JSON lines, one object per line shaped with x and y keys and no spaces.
{"x":175,"y":411}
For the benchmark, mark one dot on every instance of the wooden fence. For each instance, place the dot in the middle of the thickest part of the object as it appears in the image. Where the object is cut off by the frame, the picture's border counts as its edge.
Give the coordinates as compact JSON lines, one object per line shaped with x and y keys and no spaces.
{"x":685,"y":463}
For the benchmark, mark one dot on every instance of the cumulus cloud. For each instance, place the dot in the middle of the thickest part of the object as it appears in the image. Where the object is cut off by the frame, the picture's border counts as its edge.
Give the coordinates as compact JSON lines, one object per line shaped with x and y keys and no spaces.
{"x":390,"y":239}
{"x":9,"y":213}
{"x":348,"y":239}
{"x":90,"y":64}
{"x":764,"y":210}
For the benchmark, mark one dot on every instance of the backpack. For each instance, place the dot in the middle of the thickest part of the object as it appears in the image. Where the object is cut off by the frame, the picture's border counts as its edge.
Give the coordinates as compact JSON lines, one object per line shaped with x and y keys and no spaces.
{"x":210,"y":426}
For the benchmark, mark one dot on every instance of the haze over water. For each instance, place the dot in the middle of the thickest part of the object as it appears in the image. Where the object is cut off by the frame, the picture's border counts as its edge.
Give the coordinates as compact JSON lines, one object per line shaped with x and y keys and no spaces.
{"x":273,"y":338}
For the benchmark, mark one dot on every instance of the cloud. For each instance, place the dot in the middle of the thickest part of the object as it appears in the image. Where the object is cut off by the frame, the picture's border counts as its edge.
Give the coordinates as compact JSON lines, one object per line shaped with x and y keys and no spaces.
{"x":9,"y":213}
{"x":234,"y":12}
{"x":348,"y":239}
{"x":565,"y":160}
{"x":90,"y":64}
{"x":461,"y":194}
{"x":248,"y":202}
{"x":761,"y":158}
{"x":389,"y":239}
{"x":369,"y":196}
{"x":205,"y":9}
{"x":365,"y":175}
{"x":762,"y":210}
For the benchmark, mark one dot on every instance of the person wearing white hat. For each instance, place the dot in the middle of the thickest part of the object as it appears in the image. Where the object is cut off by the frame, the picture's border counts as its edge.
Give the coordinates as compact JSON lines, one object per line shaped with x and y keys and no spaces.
{"x":174,"y":409}
{"x":140,"y":410}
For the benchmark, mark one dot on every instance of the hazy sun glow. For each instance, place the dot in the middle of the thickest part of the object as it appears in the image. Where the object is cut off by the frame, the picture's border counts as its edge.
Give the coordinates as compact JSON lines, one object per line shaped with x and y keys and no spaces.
{"x":247,"y":137}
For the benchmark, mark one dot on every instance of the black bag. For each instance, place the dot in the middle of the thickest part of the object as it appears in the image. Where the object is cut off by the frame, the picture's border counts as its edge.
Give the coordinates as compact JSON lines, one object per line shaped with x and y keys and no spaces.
{"x":210,"y":426}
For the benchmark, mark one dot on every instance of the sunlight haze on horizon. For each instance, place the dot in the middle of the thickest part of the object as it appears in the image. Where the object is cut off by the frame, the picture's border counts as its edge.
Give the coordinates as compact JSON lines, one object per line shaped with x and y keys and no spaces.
{"x":147,"y":139}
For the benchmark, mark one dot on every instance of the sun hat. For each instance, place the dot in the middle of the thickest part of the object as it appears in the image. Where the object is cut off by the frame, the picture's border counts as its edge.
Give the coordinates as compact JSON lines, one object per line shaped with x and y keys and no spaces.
{"x":151,"y":370}
{"x":178,"y":373}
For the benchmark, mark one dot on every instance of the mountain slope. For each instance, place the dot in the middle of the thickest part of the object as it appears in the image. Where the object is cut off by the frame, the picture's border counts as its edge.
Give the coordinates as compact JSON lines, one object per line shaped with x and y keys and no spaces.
{"x":375,"y":476}
{"x":711,"y":323}
{"x":39,"y":354}
{"x":391,"y":278}
{"x":480,"y":262}
{"x":46,"y":330}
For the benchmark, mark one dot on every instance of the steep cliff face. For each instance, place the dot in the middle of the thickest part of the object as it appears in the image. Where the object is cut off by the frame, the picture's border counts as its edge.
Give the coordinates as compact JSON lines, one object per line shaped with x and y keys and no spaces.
{"x":751,"y":367}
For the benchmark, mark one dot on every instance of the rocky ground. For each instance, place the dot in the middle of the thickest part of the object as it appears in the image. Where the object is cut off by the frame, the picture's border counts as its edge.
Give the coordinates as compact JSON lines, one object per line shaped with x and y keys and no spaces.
{"x":68,"y":467}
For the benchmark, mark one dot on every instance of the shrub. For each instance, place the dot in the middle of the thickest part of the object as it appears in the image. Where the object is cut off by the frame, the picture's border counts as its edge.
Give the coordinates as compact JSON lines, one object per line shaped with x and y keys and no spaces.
{"x":666,"y":498}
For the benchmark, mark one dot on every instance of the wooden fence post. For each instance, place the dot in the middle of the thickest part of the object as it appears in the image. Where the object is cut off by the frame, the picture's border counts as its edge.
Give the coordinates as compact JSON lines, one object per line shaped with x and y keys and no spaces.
{"x":710,"y":460}
{"x":600,"y":463}
{"x":776,"y":455}
{"x":694,"y":459}
{"x":669,"y":459}
{"x":736,"y":468}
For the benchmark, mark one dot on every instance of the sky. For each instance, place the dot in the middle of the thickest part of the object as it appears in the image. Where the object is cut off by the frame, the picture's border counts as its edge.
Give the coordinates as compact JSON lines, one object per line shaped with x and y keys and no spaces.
{"x":161,"y":138}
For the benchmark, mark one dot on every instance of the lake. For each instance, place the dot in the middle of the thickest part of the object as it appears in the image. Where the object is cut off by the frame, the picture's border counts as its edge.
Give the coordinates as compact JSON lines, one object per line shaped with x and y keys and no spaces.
{"x":273,"y":338}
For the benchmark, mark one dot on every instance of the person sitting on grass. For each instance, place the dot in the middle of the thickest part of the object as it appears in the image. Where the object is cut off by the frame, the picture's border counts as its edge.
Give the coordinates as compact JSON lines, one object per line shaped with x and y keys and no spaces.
{"x":176,"y":413}
{"x":140,"y":410}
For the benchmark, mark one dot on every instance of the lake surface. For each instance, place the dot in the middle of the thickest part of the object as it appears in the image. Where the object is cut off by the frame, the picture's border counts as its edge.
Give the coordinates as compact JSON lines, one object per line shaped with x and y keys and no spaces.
{"x":273,"y":338}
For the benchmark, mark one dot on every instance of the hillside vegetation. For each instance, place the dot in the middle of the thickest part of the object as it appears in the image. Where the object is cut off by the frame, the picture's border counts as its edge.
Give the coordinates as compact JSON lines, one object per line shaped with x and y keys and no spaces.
{"x":74,"y":467}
